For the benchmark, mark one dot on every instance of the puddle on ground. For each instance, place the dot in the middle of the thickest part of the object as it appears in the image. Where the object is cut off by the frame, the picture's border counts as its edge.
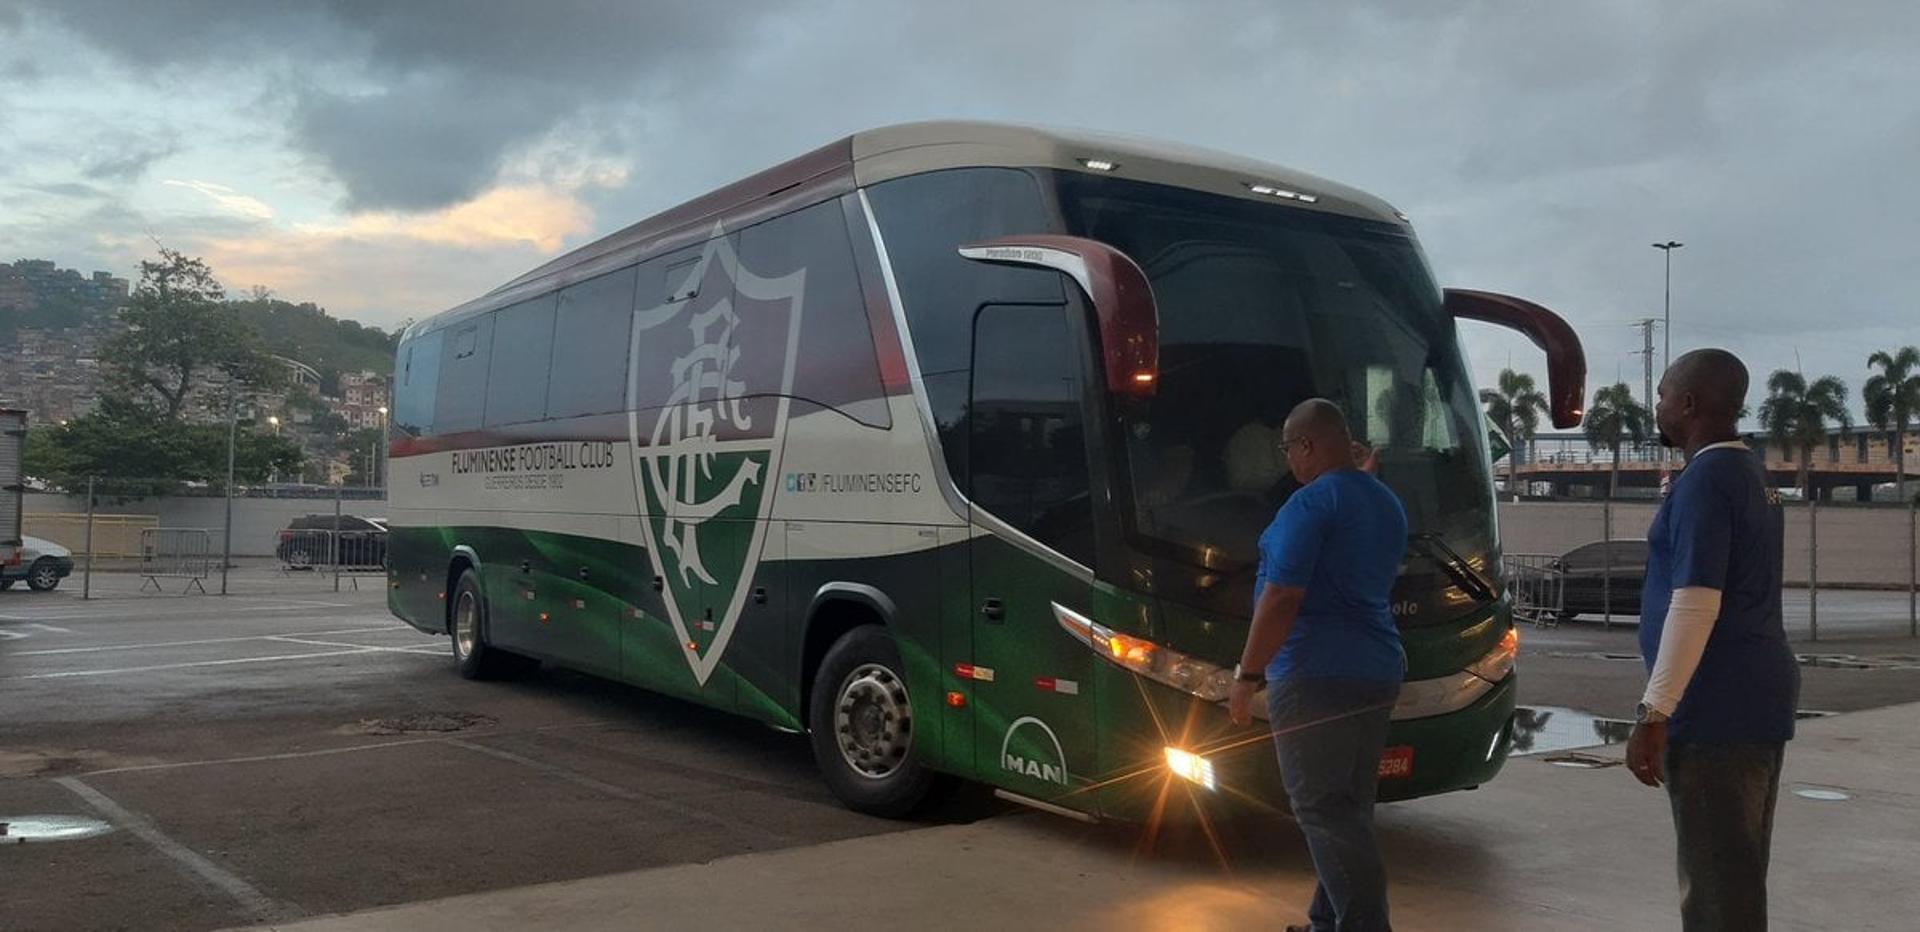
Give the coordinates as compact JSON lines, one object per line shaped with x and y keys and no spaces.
{"x":1544,"y":729}
{"x":1549,"y":730}
{"x":1853,"y":662}
{"x":1581,"y":761}
{"x":18,"y":830}
{"x":1825,"y":794}
{"x":420,"y":723}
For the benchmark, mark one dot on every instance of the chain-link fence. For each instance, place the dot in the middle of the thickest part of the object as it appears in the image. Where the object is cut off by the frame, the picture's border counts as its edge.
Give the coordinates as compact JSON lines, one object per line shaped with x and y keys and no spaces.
{"x":1850,"y":570}
{"x":133,"y":537}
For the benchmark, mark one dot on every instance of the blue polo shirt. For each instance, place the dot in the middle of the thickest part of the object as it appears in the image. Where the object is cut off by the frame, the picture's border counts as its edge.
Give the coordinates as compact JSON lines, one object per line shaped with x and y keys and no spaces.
{"x":1342,"y":537}
{"x":1721,"y":528}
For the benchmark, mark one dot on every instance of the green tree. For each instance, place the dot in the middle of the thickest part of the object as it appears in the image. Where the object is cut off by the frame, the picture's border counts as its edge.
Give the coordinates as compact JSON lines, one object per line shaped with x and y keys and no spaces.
{"x":1613,"y":420}
{"x":1893,"y":402}
{"x":1797,"y":416}
{"x":1516,"y":406}
{"x":135,"y":451}
{"x":181,"y":331}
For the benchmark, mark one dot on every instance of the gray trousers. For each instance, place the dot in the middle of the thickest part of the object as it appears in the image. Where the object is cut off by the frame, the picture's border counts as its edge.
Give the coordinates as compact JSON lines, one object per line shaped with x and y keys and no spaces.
{"x":1723,"y":799}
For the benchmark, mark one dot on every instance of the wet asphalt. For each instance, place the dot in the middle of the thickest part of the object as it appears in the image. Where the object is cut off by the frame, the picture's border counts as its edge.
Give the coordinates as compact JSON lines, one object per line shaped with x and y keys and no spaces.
{"x":265,"y":758}
{"x":289,"y":751}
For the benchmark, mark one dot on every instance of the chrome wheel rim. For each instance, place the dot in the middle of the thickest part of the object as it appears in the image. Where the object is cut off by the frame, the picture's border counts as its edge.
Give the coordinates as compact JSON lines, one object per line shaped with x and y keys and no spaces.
{"x":872,"y":722}
{"x":466,"y":624}
{"x":45,"y":578}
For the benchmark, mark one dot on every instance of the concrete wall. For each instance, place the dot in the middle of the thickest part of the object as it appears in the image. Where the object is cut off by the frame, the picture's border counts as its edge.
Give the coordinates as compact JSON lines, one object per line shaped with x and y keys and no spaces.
{"x":256,"y":521}
{"x":1859,"y":546}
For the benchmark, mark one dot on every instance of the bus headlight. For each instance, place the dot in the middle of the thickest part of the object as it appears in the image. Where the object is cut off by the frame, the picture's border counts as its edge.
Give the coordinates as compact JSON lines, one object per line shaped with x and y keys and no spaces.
{"x":1498,"y":663}
{"x":1191,"y":767}
{"x":1188,"y":674}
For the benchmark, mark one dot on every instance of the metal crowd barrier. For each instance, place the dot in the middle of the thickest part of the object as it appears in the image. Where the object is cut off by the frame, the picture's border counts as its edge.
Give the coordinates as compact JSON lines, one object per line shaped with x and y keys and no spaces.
{"x":175,"y":553}
{"x":1538,"y":586}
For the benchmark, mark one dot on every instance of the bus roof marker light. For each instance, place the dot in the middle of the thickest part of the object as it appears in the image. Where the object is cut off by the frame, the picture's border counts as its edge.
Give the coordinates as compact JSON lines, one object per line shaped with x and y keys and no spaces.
{"x":1100,"y":165}
{"x":1268,"y":190}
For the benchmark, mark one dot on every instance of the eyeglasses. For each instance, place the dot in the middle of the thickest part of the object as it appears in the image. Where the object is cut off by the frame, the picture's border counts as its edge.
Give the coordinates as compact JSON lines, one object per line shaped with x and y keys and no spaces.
{"x":1284,"y":445}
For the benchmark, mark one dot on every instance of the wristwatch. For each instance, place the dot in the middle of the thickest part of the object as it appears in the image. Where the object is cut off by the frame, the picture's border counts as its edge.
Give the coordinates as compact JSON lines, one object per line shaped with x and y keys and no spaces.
{"x":1644,"y":714}
{"x":1249,"y":676}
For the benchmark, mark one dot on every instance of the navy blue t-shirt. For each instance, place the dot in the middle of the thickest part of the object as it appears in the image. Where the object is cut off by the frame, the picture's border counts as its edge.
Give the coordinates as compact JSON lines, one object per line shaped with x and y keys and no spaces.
{"x":1722,"y":529}
{"x":1343,"y":537}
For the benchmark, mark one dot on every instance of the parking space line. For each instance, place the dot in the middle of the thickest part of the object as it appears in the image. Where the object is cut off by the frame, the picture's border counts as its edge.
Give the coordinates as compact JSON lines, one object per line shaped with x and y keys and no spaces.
{"x":350,"y":749}
{"x":145,"y":609}
{"x":292,"y":639}
{"x":193,"y":643}
{"x":261,"y":907}
{"x":68,"y":674}
{"x":760,"y":836}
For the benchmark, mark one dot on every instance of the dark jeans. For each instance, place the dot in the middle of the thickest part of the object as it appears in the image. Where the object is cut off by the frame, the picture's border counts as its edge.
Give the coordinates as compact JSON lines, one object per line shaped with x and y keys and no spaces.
{"x":1329,"y":734}
{"x":1723,"y":798}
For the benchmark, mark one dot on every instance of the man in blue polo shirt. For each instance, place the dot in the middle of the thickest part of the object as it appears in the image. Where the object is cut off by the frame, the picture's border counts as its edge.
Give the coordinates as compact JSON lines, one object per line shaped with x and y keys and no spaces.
{"x":1324,"y":642}
{"x":1718,"y":709}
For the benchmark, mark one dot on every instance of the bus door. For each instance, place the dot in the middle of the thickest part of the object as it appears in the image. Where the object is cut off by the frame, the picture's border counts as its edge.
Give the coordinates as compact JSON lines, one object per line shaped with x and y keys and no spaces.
{"x":1028,"y":678}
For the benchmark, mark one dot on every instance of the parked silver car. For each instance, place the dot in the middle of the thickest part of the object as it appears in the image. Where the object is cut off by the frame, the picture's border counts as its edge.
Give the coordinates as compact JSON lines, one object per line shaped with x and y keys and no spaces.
{"x":41,"y":564}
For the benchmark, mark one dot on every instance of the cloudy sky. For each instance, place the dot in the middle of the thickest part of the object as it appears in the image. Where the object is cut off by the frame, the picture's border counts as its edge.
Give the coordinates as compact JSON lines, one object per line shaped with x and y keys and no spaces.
{"x":388,"y":160}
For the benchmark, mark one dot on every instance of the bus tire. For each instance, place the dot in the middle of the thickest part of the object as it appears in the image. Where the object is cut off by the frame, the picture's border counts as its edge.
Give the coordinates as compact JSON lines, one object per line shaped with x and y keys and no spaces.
{"x":473,"y":657}
{"x":862,"y":727}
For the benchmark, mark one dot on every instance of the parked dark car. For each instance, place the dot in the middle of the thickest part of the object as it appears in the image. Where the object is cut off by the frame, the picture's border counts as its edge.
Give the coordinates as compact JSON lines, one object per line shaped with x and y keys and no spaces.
{"x":310,"y":541}
{"x":1585,"y":570}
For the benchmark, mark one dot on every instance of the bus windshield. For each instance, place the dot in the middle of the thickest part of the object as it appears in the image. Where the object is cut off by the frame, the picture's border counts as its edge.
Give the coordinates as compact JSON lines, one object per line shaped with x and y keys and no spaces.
{"x":1262,"y":306}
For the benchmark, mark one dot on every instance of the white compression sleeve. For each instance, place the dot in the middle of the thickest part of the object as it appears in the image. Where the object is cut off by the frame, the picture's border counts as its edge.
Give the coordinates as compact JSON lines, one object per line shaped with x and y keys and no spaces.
{"x":1683,"y":640}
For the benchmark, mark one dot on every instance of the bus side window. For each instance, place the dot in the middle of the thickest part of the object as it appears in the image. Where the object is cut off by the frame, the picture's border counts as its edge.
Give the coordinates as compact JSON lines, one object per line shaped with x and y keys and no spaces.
{"x":517,"y":387}
{"x":1028,"y":440}
{"x":417,"y":386}
{"x":835,"y":365}
{"x":590,"y":339}
{"x":462,"y":395}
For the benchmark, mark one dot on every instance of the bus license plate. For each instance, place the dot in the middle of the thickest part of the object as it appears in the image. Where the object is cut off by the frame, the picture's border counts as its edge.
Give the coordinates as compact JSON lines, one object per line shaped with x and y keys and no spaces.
{"x":1396,"y":763}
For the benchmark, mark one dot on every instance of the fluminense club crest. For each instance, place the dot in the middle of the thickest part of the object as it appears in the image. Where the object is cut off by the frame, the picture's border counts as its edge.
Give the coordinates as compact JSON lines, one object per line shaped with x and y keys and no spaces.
{"x":720,"y":351}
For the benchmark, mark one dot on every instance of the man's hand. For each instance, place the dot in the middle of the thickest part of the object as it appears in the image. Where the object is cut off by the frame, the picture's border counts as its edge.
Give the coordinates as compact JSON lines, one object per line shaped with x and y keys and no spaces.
{"x":1240,"y":702}
{"x":1364,"y":457}
{"x":1647,"y":753}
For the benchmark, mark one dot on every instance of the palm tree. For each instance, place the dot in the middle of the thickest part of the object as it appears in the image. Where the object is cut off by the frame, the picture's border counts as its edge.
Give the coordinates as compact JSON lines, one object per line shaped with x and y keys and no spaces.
{"x":1516,"y":407}
{"x":1614,"y":419}
{"x":1796,"y":416}
{"x":1893,"y":401}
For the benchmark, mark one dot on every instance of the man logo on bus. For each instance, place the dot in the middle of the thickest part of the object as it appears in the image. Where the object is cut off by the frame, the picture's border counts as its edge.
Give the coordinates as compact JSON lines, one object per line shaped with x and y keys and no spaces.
{"x":1032,"y":750}
{"x":711,"y":375}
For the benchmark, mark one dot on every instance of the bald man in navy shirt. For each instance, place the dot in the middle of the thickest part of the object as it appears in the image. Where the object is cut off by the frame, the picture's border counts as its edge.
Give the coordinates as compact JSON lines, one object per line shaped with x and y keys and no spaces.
{"x":1722,"y":684}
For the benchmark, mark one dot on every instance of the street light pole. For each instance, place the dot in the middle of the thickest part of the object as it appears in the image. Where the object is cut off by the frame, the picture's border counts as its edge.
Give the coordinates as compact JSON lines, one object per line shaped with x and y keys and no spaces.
{"x":1666,"y":352}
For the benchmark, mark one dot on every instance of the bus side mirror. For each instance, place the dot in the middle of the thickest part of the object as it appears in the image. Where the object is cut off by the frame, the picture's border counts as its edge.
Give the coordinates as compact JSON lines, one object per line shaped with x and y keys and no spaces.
{"x":1566,"y":361}
{"x":1122,"y":300}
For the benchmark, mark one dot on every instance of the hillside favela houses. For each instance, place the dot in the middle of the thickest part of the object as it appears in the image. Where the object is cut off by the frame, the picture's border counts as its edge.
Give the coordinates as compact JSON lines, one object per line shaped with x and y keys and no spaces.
{"x":55,"y":322}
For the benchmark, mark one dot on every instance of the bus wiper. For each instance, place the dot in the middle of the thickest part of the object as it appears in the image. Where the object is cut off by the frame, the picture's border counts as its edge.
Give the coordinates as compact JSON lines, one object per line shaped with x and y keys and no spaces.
{"x":1470,"y":580}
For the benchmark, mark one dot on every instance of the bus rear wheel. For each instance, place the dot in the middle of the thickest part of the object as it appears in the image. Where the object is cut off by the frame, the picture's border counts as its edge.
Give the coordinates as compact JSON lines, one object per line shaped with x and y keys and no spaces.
{"x":863,"y":729}
{"x":473,"y":657}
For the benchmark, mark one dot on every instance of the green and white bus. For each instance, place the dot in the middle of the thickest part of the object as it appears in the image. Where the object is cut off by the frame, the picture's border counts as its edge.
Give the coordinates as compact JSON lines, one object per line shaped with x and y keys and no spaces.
{"x":949,"y":444}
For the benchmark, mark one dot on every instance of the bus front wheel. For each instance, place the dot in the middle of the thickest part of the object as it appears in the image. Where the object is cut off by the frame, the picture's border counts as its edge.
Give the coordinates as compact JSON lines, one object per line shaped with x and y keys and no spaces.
{"x":467,"y":623}
{"x":863,"y":729}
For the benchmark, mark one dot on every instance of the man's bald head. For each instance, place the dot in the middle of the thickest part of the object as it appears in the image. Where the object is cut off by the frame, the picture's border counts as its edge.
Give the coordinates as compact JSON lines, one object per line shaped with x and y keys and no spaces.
{"x":1701,"y":396}
{"x":1316,"y":439}
{"x":1318,"y":418}
{"x":1716,"y":378}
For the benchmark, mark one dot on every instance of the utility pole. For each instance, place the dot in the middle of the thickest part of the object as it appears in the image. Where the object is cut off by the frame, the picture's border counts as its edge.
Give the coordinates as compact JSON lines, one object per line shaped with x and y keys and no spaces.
{"x":1646,"y":326}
